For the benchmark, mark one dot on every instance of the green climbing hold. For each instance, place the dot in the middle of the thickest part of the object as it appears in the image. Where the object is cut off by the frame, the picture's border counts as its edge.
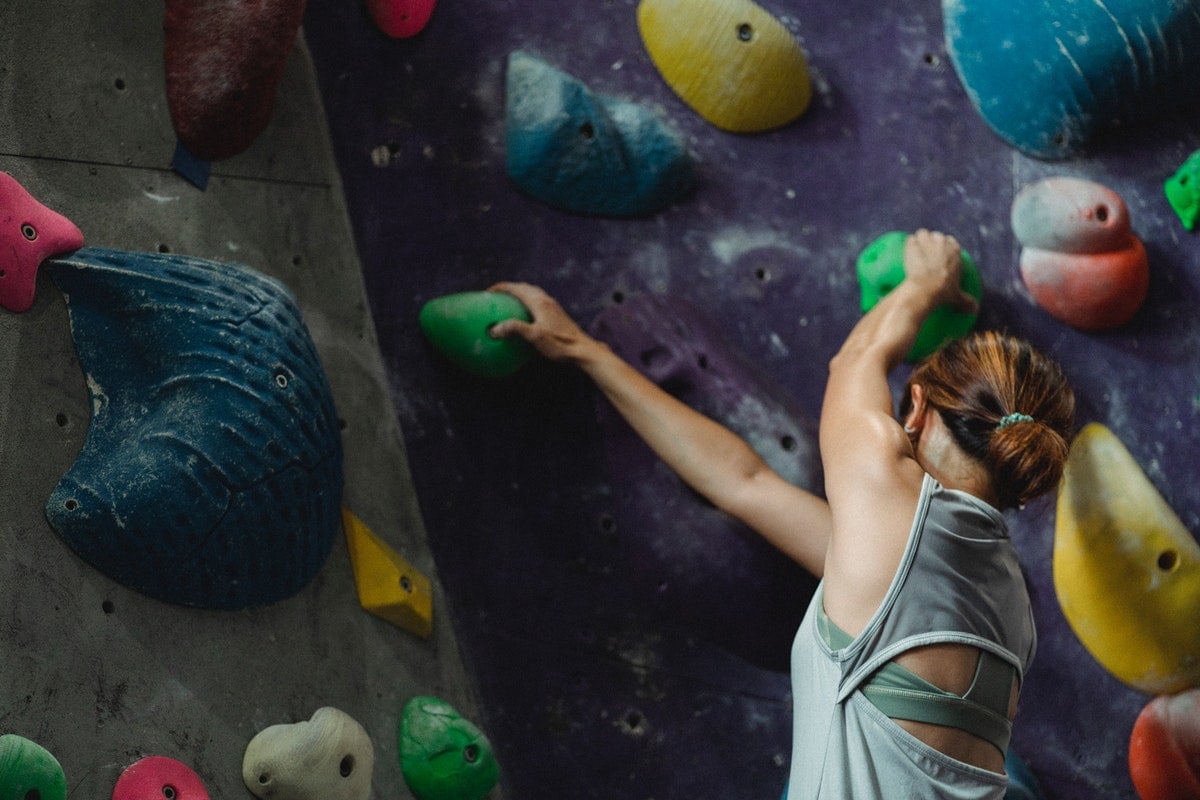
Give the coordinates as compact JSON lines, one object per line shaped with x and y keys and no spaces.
{"x":880,"y":269}
{"x":1183,"y":191}
{"x":442,"y":755}
{"x":459,"y":326}
{"x":28,"y":770}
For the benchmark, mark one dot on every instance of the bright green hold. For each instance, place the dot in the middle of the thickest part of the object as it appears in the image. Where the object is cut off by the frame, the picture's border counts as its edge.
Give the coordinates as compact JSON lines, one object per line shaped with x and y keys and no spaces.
{"x":459,"y":326}
{"x":1183,"y":191}
{"x":881,"y":268}
{"x":27,"y":771}
{"x":442,"y":755}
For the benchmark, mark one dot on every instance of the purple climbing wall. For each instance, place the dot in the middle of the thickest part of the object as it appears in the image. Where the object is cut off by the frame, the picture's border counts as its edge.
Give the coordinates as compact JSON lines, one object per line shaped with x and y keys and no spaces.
{"x":594,"y":681}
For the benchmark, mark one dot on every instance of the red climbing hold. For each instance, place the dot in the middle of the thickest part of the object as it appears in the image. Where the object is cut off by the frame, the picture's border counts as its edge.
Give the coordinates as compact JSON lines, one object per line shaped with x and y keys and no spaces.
{"x":224,"y":62}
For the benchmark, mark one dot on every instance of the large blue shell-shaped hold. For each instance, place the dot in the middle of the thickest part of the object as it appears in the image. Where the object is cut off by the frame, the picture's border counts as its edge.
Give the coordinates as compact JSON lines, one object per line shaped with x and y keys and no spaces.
{"x":589,"y":153}
{"x":211,"y":474}
{"x":1046,"y":75}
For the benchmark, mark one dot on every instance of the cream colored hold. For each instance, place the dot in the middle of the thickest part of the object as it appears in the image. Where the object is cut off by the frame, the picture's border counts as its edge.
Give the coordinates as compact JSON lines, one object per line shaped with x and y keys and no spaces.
{"x":328,"y":757}
{"x":1126,"y":570}
{"x":733,"y":62}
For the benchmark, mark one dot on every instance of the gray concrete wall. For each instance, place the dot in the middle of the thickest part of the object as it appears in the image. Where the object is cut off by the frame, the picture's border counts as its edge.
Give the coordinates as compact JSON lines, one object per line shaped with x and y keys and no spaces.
{"x":94,"y":672}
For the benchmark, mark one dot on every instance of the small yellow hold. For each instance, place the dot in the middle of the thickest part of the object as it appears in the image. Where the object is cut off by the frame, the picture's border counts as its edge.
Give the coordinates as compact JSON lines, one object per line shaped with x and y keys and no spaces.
{"x":388,"y":586}
{"x":733,"y":62}
{"x":1126,"y":570}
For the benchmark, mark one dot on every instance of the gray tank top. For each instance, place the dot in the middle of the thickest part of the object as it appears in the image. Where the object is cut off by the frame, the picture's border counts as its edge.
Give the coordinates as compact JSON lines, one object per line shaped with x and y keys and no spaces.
{"x":959,"y":581}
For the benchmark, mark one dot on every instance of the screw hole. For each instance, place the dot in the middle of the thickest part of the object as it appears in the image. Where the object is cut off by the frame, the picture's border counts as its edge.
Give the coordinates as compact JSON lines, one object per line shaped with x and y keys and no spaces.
{"x":71,"y":505}
{"x":587,"y":130}
{"x":29,"y":232}
{"x":788,"y":443}
{"x":120,"y":84}
{"x":60,"y":419}
{"x":33,"y":794}
{"x":607,"y":523}
{"x":745,"y":32}
{"x":168,"y":791}
{"x":281,"y":380}
{"x":107,"y":607}
{"x":618,"y":297}
{"x":471,"y":753}
{"x":931,"y":59}
{"x":406,"y":583}
{"x":347,"y":766}
{"x":264,"y":778}
{"x":1168,"y":560}
{"x":1101,"y":213}
{"x":162,"y":248}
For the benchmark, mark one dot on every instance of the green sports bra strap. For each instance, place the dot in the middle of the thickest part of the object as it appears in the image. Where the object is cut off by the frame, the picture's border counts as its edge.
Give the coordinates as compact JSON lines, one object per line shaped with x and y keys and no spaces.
{"x":902,"y":694}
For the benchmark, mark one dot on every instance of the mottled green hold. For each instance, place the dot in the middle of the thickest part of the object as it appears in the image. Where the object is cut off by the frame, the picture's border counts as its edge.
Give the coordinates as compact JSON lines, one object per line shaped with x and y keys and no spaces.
{"x":29,"y":771}
{"x":459,"y":326}
{"x":1183,"y":191}
{"x":442,"y":755}
{"x":881,"y":269}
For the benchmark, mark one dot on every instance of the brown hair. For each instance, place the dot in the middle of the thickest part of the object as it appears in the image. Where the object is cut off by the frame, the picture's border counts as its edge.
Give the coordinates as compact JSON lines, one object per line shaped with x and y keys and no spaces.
{"x":1007,"y":405}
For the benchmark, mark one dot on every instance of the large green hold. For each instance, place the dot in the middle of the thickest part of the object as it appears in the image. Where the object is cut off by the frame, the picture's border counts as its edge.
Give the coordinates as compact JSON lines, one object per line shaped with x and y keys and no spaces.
{"x":881,"y":269}
{"x":443,"y":756}
{"x":1183,"y":191}
{"x":28,"y":771}
{"x":459,"y":325}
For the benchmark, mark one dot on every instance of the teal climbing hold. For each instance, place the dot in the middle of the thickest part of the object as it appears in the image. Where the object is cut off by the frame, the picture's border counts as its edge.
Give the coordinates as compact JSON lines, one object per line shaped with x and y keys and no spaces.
{"x":1183,"y":191}
{"x":459,"y":326}
{"x":29,"y":770}
{"x":443,"y":756}
{"x":1046,"y":75}
{"x":880,"y":269}
{"x":589,"y":153}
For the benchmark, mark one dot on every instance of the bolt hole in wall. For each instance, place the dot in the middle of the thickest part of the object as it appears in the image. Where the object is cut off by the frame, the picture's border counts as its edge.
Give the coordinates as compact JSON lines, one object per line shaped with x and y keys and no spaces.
{"x":168,"y":792}
{"x":745,"y":32}
{"x":29,"y":232}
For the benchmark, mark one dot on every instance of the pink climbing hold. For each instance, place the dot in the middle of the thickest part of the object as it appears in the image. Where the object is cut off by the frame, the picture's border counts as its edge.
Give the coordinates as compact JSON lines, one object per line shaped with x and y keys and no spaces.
{"x":1081,"y":260}
{"x":224,"y":62}
{"x":401,"y":18}
{"x":29,"y":234}
{"x":158,"y":777}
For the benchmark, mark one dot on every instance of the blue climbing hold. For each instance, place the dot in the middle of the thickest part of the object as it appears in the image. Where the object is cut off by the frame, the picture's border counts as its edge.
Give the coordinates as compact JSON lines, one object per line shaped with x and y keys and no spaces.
{"x":211,"y":474}
{"x":586,"y":152}
{"x":1048,"y":74}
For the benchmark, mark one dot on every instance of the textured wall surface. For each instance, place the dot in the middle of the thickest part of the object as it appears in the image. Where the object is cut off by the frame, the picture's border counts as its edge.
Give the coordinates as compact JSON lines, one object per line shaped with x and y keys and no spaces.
{"x":94,"y":672}
{"x":589,"y":686}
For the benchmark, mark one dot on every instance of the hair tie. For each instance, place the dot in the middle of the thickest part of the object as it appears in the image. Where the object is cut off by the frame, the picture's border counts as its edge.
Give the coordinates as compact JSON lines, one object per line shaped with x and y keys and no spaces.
{"x":1012,"y":419}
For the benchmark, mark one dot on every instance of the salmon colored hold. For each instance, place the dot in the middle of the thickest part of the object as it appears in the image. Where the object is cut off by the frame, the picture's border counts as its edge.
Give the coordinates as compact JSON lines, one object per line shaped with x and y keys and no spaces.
{"x":1081,"y":260}
{"x":29,"y":234}
{"x":1164,"y":748}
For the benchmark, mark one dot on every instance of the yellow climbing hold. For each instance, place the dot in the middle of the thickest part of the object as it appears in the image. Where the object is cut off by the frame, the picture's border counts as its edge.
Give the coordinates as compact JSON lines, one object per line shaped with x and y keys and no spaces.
{"x":730,"y":60}
{"x":388,"y":586}
{"x":1126,"y":570}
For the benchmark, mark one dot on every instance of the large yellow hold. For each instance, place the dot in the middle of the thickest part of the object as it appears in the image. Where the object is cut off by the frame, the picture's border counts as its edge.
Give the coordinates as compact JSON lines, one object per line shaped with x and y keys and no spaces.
{"x":1126,"y":570}
{"x":730,"y":60}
